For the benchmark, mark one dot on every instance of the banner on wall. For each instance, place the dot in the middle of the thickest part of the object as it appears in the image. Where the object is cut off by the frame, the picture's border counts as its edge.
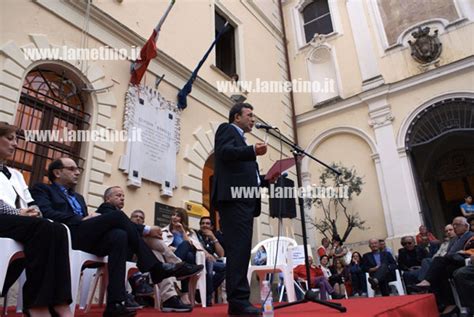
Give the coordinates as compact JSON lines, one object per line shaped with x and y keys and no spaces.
{"x":151,"y":156}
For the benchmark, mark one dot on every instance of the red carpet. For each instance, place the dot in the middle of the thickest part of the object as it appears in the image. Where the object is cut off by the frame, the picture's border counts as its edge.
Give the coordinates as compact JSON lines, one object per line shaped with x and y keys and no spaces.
{"x":394,"y":306}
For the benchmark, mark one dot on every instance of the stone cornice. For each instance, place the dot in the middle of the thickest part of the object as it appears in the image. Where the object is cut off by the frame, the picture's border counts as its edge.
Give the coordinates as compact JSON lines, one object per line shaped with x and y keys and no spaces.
{"x":387,"y":89}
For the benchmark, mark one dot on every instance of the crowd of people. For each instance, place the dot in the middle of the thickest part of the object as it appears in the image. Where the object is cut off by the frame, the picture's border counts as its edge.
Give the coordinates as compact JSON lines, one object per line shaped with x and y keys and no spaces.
{"x":38,"y":217}
{"x":426,"y":264}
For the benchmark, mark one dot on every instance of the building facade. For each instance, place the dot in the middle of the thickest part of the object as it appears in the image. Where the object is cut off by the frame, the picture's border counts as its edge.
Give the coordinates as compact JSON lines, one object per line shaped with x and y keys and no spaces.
{"x":390,"y":97}
{"x":401,"y":111}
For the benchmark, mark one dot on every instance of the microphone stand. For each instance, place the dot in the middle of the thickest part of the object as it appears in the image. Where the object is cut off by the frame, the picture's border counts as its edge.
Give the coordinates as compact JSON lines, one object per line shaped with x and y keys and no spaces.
{"x":309,"y":296}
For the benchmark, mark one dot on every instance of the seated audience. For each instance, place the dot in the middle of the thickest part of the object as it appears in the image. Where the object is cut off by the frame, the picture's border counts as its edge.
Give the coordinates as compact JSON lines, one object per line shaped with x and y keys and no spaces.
{"x":358,"y":281}
{"x":317,"y":279}
{"x":324,"y":267}
{"x":467,"y":209}
{"x":339,"y":276}
{"x":184,"y":242}
{"x":381,"y":267}
{"x":111,"y":234}
{"x":429,"y":247}
{"x":442,"y":268}
{"x":449,"y":234}
{"x":409,"y":260}
{"x":424,"y":233}
{"x":114,"y":201}
{"x":215,"y":269}
{"x":45,"y":243}
{"x":383,"y":247}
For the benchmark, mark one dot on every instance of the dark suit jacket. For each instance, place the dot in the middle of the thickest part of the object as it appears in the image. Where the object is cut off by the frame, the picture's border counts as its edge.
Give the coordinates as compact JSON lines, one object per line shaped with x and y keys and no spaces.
{"x":106,"y":208}
{"x":235,"y":165}
{"x":368,"y":261}
{"x":54,"y":204}
{"x":408,"y":259}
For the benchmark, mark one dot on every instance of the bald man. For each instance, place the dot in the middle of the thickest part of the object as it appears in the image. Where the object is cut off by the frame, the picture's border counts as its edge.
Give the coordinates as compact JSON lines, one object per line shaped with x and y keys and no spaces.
{"x":381,"y":267}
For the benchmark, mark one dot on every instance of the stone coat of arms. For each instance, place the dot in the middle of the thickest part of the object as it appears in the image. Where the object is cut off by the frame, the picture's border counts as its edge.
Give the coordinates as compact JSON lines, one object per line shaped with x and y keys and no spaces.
{"x":426,"y":48}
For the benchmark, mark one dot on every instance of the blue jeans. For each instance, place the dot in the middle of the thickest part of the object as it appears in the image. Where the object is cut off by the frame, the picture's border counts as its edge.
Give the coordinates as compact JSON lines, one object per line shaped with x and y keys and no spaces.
{"x":187,"y":253}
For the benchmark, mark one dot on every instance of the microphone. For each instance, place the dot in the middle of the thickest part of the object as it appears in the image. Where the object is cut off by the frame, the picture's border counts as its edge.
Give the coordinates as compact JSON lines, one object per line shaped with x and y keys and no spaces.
{"x":260,"y":125}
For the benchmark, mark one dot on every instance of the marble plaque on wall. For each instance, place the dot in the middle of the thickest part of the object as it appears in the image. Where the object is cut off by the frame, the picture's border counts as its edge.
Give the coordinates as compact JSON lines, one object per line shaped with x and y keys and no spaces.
{"x":152,"y":155}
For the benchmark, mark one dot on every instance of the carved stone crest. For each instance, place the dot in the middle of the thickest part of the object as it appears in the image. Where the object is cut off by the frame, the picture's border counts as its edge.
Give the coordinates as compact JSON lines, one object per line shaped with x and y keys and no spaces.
{"x":426,"y":48}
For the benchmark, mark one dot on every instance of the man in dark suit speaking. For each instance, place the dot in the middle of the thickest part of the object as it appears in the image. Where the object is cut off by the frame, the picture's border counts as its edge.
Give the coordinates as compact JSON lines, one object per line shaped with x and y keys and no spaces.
{"x":236,"y":167}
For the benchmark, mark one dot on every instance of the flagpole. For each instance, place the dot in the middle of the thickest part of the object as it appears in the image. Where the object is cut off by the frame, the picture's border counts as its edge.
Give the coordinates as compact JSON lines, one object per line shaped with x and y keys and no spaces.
{"x":148,"y":51}
{"x":186,"y":90}
{"x":163,"y":18}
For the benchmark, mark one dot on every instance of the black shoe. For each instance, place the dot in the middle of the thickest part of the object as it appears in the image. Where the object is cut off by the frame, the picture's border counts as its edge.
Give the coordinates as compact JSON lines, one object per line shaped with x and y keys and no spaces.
{"x":374,"y":283}
{"x":452,"y":312}
{"x":144,"y":289}
{"x":131,"y":304}
{"x":413,"y":289}
{"x":244,"y":311}
{"x":118,"y":310}
{"x":174,"y":304}
{"x":180,"y":270}
{"x":337,"y":296}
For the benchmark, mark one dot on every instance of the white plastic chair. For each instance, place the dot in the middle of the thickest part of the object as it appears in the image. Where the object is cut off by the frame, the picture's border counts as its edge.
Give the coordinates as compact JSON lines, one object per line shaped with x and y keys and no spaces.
{"x":198,"y":281}
{"x":283,"y":263}
{"x":88,"y":290}
{"x":76,"y":260}
{"x":398,"y":284}
{"x":11,"y":250}
{"x":297,"y":256}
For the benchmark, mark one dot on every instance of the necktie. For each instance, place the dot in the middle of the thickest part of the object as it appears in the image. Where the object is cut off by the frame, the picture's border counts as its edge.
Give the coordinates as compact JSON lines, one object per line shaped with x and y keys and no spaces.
{"x":76,"y":207}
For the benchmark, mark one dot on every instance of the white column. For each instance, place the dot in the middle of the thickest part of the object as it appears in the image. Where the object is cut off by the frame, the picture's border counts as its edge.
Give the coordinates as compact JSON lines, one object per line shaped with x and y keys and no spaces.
{"x":383,"y":195}
{"x":368,"y":65}
{"x":402,"y":216}
{"x":410,"y":185}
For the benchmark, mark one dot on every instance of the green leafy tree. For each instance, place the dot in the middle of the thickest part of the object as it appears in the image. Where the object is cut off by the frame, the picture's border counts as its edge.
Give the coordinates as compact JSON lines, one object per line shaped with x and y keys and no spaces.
{"x":338,"y":207}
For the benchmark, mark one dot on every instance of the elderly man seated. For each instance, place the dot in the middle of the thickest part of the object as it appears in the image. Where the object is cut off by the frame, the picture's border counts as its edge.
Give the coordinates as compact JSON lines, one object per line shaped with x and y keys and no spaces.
{"x":409,"y":260}
{"x":442,"y":268}
{"x":114,"y":201}
{"x":381,"y":267}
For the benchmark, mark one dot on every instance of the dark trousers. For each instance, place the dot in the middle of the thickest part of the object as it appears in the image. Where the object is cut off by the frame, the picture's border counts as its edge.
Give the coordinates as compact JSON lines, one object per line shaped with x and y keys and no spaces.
{"x":441,"y":270}
{"x":113,"y":234}
{"x":48,"y":281}
{"x":384,"y":275}
{"x":187,"y":253}
{"x":237,"y":227}
{"x":358,"y":282}
{"x":464,"y":281}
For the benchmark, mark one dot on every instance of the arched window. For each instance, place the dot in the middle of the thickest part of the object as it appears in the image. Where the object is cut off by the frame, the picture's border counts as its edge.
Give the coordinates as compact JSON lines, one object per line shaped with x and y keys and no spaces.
{"x":317,"y":19}
{"x":49,"y":103}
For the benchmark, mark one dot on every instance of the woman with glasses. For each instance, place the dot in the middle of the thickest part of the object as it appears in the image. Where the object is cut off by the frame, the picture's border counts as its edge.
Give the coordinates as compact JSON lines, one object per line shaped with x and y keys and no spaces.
{"x":45,"y":243}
